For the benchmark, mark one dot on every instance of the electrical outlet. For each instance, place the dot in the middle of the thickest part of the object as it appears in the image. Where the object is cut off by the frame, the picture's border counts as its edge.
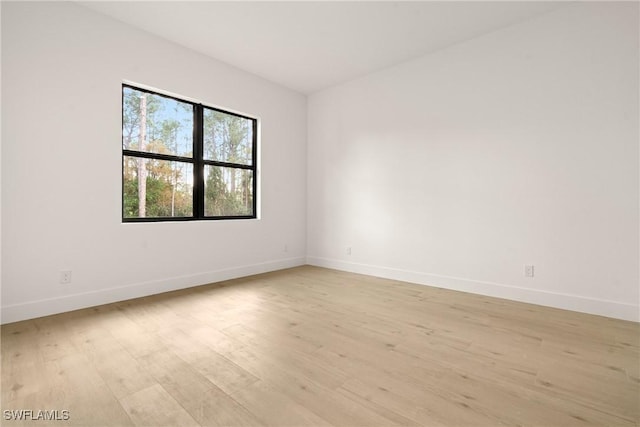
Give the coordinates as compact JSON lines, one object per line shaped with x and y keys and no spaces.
{"x":65,"y":277}
{"x":286,"y":248}
{"x":349,"y":250}
{"x":528,"y":271}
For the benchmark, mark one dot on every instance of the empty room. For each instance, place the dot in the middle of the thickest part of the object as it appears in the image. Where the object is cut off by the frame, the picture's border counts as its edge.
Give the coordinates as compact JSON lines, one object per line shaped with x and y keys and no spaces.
{"x":320,"y":213}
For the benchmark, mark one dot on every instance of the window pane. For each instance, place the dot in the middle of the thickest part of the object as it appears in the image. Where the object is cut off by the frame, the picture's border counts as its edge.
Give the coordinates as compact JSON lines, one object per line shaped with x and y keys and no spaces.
{"x":156,"y":124}
{"x":166,"y":189}
{"x":227,"y":138}
{"x":228,"y":191}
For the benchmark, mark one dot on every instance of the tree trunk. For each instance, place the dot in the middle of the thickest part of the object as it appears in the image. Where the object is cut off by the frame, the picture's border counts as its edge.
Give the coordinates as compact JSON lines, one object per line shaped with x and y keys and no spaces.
{"x":174,"y":177}
{"x":232,"y":172}
{"x":142,"y":163}
{"x":174,"y":184}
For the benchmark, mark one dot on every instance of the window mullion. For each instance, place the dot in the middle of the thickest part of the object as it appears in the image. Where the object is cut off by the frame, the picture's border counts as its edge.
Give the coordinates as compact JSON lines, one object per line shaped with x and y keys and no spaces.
{"x":198,"y":167}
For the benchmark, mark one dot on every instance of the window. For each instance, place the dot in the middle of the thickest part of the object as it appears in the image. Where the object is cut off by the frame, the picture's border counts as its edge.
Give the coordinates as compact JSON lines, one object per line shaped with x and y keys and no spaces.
{"x":184,"y":161}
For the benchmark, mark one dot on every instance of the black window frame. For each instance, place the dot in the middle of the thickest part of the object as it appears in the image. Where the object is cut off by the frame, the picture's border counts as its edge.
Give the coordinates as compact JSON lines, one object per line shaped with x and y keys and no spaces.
{"x":198,"y":161}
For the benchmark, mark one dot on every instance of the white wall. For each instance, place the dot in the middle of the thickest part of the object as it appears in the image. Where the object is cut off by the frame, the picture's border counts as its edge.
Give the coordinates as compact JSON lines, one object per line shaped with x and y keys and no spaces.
{"x":452,"y":170}
{"x":518,"y":147}
{"x":62,"y":67}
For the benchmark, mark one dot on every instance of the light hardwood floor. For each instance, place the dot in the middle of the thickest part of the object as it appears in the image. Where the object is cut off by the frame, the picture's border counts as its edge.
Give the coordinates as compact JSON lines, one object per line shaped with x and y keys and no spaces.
{"x":311,"y":346}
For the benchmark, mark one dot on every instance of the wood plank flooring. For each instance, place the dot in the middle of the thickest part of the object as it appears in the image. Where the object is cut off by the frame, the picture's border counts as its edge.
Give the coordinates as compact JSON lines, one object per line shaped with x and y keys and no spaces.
{"x":316,"y":347}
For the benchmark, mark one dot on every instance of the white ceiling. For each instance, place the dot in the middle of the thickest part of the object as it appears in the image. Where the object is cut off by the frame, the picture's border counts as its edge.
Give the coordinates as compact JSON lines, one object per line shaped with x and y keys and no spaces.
{"x":311,"y":45}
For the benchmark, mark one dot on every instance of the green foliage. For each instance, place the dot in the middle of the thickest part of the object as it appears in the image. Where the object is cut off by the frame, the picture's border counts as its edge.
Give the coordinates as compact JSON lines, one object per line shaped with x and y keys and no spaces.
{"x":223,"y":200}
{"x":131,"y":116}
{"x":130,"y":189}
{"x":227,"y":138}
{"x":161,"y":197}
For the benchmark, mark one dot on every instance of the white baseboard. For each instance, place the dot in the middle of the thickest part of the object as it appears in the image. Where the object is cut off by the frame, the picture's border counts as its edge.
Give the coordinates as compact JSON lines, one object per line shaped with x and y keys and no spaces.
{"x":45,"y":307}
{"x":582,"y":304}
